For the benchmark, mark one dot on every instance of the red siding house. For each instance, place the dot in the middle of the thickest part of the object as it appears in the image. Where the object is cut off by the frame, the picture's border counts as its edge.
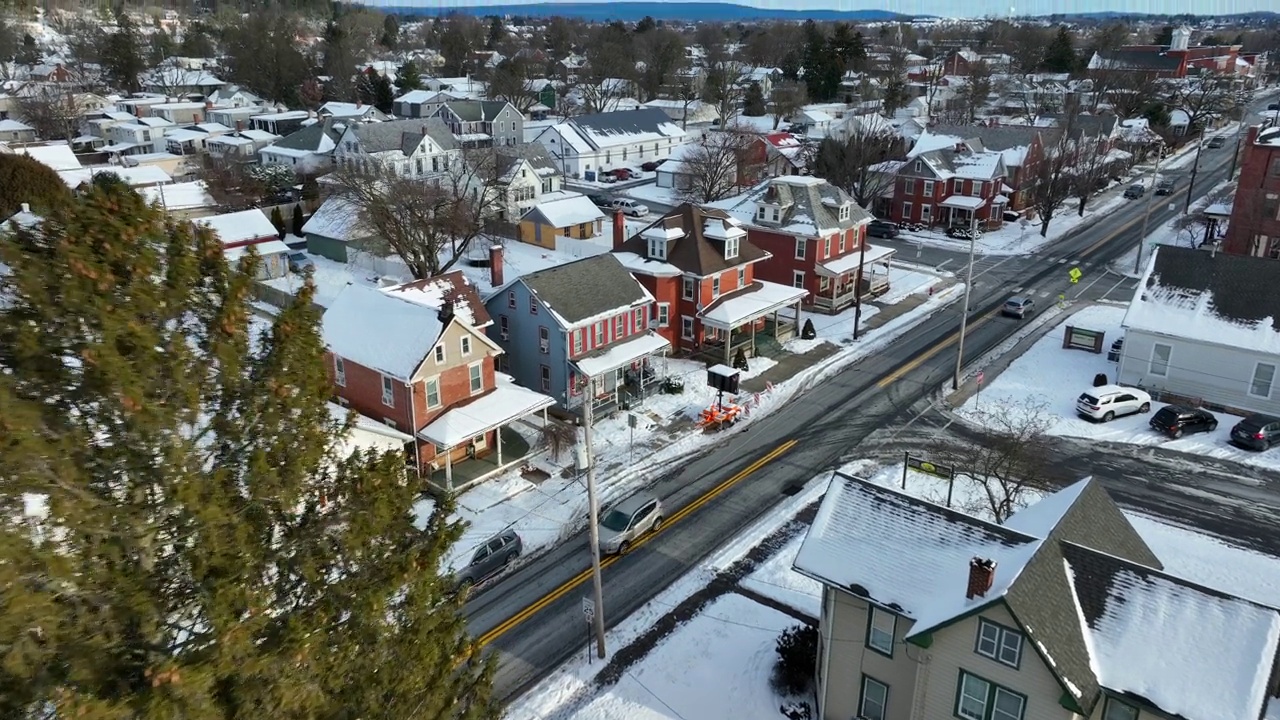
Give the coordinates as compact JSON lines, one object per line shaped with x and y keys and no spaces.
{"x":1254,"y":228}
{"x":950,"y":186}
{"x":815,"y":236}
{"x":700,"y":266}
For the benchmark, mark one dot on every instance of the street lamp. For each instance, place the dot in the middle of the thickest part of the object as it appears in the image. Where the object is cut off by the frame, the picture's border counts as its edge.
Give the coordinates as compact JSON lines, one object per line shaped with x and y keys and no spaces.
{"x":968,"y":286}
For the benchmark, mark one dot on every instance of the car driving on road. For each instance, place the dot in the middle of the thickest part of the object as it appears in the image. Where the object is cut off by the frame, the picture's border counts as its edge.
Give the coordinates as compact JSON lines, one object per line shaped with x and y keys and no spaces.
{"x":624,"y":523}
{"x":882,"y":229}
{"x":1019,"y":307}
{"x":1134,"y":191}
{"x":1108,"y":402}
{"x":1165,"y":187}
{"x":489,"y":559}
{"x":1217,"y":141}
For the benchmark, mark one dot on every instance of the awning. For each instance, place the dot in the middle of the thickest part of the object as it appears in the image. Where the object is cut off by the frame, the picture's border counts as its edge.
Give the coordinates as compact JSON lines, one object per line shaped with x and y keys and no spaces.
{"x":758,"y":300}
{"x":849,"y":263}
{"x":963,"y":202}
{"x":1000,"y":200}
{"x":118,"y":147}
{"x":1219,"y":209}
{"x":1006,"y":189}
{"x":620,"y":354}
{"x":507,"y":402}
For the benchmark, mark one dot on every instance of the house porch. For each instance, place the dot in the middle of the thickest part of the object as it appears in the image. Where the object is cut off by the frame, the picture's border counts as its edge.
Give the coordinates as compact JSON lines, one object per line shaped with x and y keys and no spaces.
{"x":843,"y":280}
{"x":622,"y":375}
{"x":765,"y":311}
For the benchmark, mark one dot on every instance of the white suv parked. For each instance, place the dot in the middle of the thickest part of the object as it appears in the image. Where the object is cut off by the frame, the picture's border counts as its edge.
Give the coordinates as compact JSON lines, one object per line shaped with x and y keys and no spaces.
{"x":631,"y":207}
{"x":1110,"y":401}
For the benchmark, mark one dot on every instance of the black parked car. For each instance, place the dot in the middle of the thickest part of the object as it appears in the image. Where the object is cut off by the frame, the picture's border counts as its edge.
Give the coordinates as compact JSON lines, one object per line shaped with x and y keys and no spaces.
{"x":1256,"y":432}
{"x":652,"y":165}
{"x":1177,"y":420}
{"x":601,"y":201}
{"x":882,"y":229}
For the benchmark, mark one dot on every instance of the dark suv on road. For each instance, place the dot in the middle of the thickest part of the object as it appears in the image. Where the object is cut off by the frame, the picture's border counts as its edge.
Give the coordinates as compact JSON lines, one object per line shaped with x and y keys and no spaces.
{"x":882,"y":229}
{"x":1177,"y":420}
{"x":1256,"y":432}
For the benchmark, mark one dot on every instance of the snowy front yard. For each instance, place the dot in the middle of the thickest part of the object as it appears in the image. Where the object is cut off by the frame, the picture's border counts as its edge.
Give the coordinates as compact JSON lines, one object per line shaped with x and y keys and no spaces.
{"x":1054,"y":376}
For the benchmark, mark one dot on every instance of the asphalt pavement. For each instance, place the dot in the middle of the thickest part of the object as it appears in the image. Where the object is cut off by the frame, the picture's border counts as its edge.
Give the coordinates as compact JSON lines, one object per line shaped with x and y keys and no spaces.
{"x":533,"y":616}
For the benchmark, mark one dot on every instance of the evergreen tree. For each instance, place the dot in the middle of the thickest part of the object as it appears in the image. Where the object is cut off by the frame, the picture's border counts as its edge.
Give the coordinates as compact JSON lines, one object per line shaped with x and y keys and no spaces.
{"x":1164,"y":36}
{"x":339,"y":62}
{"x":646,"y":24}
{"x":29,"y":181}
{"x":29,"y":53}
{"x":122,"y":55}
{"x":408,"y":77}
{"x":384,"y":94}
{"x":298,"y":222}
{"x":277,"y":220}
{"x":390,"y":33}
{"x":895,"y":95}
{"x":497,"y":32}
{"x":1060,"y":56}
{"x":822,"y":69}
{"x":196,"y":42}
{"x":161,"y":47}
{"x":203,"y":550}
{"x":753,"y":104}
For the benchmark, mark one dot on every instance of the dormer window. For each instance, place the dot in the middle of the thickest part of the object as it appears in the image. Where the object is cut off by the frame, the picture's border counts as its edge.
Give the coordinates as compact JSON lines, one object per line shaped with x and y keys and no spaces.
{"x":731,"y":248}
{"x":657,"y":249}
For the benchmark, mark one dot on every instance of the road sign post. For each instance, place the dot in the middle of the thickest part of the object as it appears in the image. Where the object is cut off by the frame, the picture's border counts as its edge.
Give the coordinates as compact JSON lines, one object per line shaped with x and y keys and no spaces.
{"x":631,"y":449}
{"x":977,"y":399}
{"x":1075,"y":274}
{"x":589,"y":614}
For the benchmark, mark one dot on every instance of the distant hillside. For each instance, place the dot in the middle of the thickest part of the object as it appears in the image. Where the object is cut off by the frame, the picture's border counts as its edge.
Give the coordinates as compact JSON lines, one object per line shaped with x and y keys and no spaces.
{"x":633,"y":11}
{"x":1259,"y":16}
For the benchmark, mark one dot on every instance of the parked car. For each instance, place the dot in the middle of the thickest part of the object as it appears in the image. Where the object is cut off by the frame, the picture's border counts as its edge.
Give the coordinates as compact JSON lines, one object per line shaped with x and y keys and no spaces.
{"x":630,"y":207}
{"x":1117,"y":348}
{"x":1135,"y":190}
{"x":1019,"y":307}
{"x":1274,"y":106}
{"x":601,"y":201}
{"x":1108,"y":402}
{"x":1256,"y":432}
{"x":301,"y":263}
{"x":1165,"y":187}
{"x":623,"y":173}
{"x":627,"y":521}
{"x":1178,"y":420}
{"x":963,"y":232}
{"x":1217,"y":141}
{"x":882,"y":229}
{"x":652,"y":165}
{"x":607,"y":178}
{"x":489,"y":559}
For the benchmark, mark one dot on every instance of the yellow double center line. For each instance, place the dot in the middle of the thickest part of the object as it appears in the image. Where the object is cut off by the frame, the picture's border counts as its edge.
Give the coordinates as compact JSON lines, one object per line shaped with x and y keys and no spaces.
{"x":585,"y":575}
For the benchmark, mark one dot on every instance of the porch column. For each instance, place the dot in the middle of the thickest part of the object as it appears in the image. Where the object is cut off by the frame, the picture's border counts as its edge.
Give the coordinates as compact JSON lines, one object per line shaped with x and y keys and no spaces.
{"x":728,"y":348}
{"x":753,"y":338}
{"x":798,"y":304}
{"x":835,"y":290}
{"x":448,"y":469}
{"x":497,"y":440}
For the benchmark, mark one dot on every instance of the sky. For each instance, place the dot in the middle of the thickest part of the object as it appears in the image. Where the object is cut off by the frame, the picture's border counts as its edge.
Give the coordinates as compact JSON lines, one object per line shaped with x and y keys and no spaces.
{"x":951,"y":8}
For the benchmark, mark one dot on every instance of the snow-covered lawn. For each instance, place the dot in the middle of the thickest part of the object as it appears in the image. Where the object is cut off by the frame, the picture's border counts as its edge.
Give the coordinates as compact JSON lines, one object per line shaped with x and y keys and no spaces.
{"x":651,"y":193}
{"x":1022,"y":238}
{"x":1046,"y":373}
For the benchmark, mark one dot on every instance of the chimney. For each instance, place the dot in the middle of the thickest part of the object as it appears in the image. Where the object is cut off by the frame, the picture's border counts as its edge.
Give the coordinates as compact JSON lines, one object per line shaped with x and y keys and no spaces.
{"x":239,"y":125}
{"x":359,"y":103}
{"x":208,"y":104}
{"x":26,"y":207}
{"x":981,"y":574}
{"x":195,"y":118}
{"x":1251,"y":137}
{"x":446,"y":311}
{"x":495,"y":265}
{"x":619,"y":230}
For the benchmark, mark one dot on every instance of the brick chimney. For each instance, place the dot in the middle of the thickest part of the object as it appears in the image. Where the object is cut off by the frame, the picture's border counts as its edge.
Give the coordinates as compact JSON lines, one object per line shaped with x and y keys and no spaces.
{"x":239,"y":125}
{"x":982,"y":573}
{"x":359,"y":104}
{"x":195,"y":118}
{"x":445,"y":315}
{"x":619,"y":230}
{"x":495,"y":265}
{"x":208,"y":104}
{"x":1251,"y":136}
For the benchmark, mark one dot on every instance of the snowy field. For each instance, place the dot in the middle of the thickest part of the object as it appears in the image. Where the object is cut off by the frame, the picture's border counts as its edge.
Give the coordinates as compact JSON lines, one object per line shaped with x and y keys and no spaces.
{"x":1051,"y":375}
{"x":726,"y":651}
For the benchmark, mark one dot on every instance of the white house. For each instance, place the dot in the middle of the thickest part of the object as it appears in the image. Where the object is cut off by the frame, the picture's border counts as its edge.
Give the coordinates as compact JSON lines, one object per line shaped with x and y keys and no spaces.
{"x":143,"y":136}
{"x":588,"y":144}
{"x":241,"y":146}
{"x":306,"y":151}
{"x":414,"y":148}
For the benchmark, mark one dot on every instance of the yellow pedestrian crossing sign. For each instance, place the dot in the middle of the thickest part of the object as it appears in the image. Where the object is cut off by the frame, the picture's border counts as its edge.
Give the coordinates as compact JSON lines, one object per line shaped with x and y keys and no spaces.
{"x":1075,"y":274}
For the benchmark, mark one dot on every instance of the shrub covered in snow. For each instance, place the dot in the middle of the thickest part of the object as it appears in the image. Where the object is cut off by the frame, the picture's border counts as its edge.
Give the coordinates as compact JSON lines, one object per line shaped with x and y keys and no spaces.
{"x":797,"y":650}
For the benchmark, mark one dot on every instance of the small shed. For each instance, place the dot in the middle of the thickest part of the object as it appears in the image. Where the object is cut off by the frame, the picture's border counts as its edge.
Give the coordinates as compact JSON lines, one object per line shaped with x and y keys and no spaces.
{"x":333,"y":228}
{"x":560,"y":214}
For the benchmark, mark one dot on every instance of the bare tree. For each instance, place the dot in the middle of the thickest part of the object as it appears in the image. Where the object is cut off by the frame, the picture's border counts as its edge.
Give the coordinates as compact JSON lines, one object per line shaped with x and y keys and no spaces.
{"x":429,"y":223}
{"x":1195,"y":228}
{"x":52,"y":111}
{"x":932,"y":80}
{"x":513,"y":81}
{"x":1009,"y":462}
{"x":1089,"y":173}
{"x":1204,"y":97}
{"x":1053,"y":181}
{"x":785,"y":100}
{"x":663,"y":54}
{"x":973,"y":96}
{"x":850,"y":163}
{"x":230,"y":185}
{"x":716,"y":166}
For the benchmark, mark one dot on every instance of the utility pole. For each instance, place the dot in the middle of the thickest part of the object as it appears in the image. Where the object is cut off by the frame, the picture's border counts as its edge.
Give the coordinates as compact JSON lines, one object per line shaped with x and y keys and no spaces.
{"x":1235,"y":156}
{"x":968,"y":286}
{"x":1195,"y":167}
{"x":593,"y":513}
{"x":1146,"y":213}
{"x":857,"y":287}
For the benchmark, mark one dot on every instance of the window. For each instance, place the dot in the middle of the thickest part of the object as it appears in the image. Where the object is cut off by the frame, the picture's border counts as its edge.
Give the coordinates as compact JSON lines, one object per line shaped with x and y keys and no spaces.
{"x":978,"y":699}
{"x":906,"y":212}
{"x":433,"y":393}
{"x":875,"y":698}
{"x":917,"y":166}
{"x":440,"y":354}
{"x":687,"y":289}
{"x":389,"y":423}
{"x":776,"y":215}
{"x":800,"y":243}
{"x":339,"y":372}
{"x":715,"y":286}
{"x":577,"y":342}
{"x":797,"y":278}
{"x":1263,"y":375}
{"x":1117,"y":710}
{"x":999,"y":643}
{"x":533,"y":305}
{"x":880,"y":631}
{"x":466,"y":345}
{"x":546,"y":378}
{"x":599,"y":328}
{"x":477,"y":377}
{"x":909,"y":187}
{"x":843,"y":237}
{"x":544,"y":340}
{"x":619,"y":322}
{"x":388,"y":393}
{"x":928,"y":188}
{"x":686,"y":327}
{"x":826,"y":248}
{"x":1160,"y":359}
{"x":731,"y":248}
{"x":657,"y":248}
{"x":639,"y":319}
{"x":504,"y":330}
{"x":664,"y":314}
{"x":957,"y":186}
{"x":742,"y":277}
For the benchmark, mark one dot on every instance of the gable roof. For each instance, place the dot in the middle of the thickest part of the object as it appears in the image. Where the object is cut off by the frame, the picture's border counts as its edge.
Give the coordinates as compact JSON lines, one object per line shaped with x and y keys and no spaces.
{"x":1216,"y":652}
{"x":239,"y":226}
{"x":540,"y":161}
{"x":601,"y":130}
{"x":689,"y":248}
{"x":585,"y":289}
{"x":809,"y":205}
{"x":476,"y":110}
{"x":319,"y":137}
{"x":452,"y":287}
{"x":380,"y":331}
{"x":337,"y":218}
{"x":1154,"y":60}
{"x":402,"y":135}
{"x":564,"y":209}
{"x":1214,"y":298}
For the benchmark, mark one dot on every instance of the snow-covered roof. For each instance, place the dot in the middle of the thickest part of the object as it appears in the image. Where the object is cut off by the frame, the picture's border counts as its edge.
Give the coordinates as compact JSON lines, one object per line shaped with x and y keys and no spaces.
{"x":132,"y":176}
{"x":380,"y":331}
{"x":505,"y":403}
{"x":616,"y":355}
{"x":270,"y":247}
{"x":587,"y":133}
{"x":809,"y":206}
{"x":179,"y":196}
{"x":645,"y":266}
{"x":57,"y":156}
{"x":8,"y":125}
{"x":1213,"y":298}
{"x":239,"y":226}
{"x":977,"y":165}
{"x":336,"y":219}
{"x":565,"y":209}
{"x":930,"y":141}
{"x":756,"y":301}
{"x":452,"y":287}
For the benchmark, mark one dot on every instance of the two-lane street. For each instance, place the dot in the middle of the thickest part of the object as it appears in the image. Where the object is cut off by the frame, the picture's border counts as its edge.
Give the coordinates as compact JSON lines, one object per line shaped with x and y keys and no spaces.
{"x":533,"y":616}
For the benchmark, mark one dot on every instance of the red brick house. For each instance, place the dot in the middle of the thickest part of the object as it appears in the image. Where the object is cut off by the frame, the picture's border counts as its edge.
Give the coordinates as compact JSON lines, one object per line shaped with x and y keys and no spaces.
{"x":950,"y":186}
{"x":1175,"y":60}
{"x":700,"y":268}
{"x":1254,"y":228}
{"x":427,"y":371}
{"x":1022,"y":148}
{"x":815,"y":241}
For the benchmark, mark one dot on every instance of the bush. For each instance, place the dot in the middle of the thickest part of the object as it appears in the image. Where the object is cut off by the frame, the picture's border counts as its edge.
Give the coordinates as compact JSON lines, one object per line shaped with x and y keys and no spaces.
{"x":297,"y":220}
{"x":797,"y":650}
{"x":27,"y":180}
{"x":740,"y":361}
{"x":808,"y":332}
{"x":1100,"y":379}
